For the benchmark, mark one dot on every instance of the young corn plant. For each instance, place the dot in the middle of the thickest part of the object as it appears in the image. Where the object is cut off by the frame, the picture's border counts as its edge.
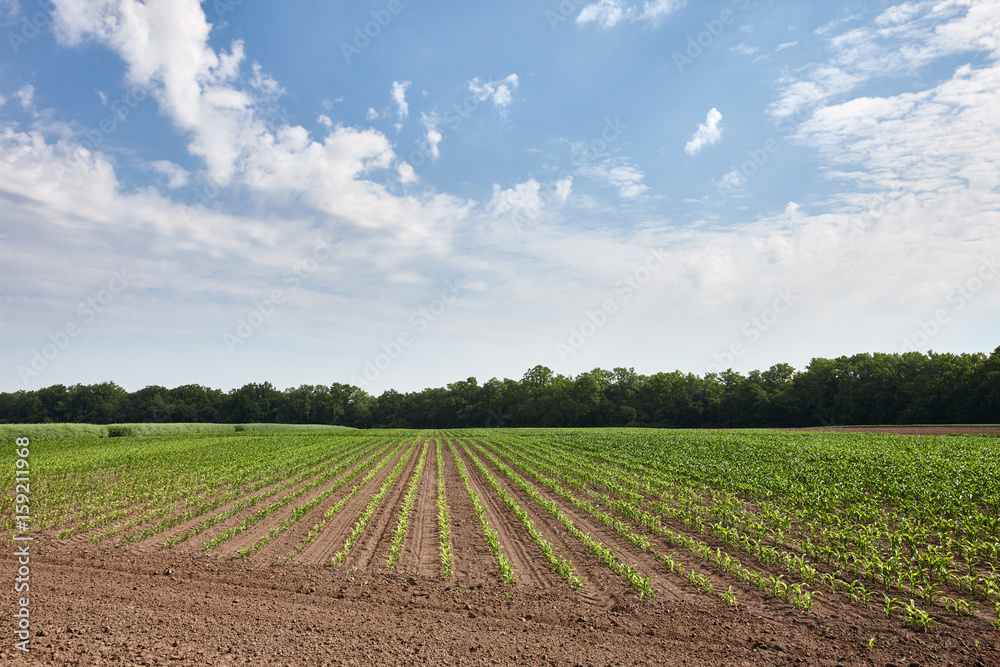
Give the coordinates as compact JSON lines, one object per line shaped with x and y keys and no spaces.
{"x":729,"y":597}
{"x":562,"y":566}
{"x":285,"y":500}
{"x":889,"y":606}
{"x":699,"y":581}
{"x":960,"y":606}
{"x":802,"y":598}
{"x":929,"y":593}
{"x":404,"y":512}
{"x":444,"y":521}
{"x":373,"y":503}
{"x":626,"y":571}
{"x":492,"y":538}
{"x":918,"y":618}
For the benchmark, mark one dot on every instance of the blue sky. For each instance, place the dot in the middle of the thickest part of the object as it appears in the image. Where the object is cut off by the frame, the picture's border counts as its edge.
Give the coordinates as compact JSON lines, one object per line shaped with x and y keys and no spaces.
{"x":405,"y":194}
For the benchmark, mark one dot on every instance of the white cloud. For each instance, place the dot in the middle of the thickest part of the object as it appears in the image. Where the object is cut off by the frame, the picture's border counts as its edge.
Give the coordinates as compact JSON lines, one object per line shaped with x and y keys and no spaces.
{"x":399,"y":97}
{"x":900,"y":13}
{"x":656,"y":10}
{"x":625,"y":178}
{"x":177,"y":176}
{"x":925,"y":143}
{"x":786,"y":45}
{"x":563,"y":188}
{"x":707,"y":133}
{"x":924,"y":209}
{"x":609,"y":13}
{"x":264,"y":83}
{"x":523,"y":200}
{"x":745,"y":50}
{"x":529,"y":200}
{"x":906,"y":37}
{"x":164,"y":45}
{"x":324,"y":120}
{"x":499,"y":92}
{"x":826,"y":83}
{"x":432,"y":135}
{"x":628,"y":180}
{"x":26,"y":95}
{"x":406,"y":173}
{"x":829,"y":27}
{"x":606,"y":13}
{"x":731,"y":181}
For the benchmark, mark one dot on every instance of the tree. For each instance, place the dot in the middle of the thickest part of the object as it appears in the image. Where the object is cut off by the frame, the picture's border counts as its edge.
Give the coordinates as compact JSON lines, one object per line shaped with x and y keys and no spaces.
{"x":873,"y":388}
{"x":253,"y":403}
{"x":96,"y":403}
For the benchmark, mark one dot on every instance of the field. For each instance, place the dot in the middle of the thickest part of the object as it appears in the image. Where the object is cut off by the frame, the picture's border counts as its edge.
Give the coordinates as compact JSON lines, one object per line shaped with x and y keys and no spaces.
{"x":504,"y":546}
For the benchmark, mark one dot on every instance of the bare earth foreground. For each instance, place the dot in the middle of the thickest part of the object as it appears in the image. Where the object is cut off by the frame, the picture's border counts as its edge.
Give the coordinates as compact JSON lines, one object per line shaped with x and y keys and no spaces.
{"x":95,"y":603}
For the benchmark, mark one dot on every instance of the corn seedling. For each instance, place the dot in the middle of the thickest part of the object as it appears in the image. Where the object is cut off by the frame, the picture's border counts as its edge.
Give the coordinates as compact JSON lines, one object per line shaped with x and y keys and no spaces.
{"x":729,"y":597}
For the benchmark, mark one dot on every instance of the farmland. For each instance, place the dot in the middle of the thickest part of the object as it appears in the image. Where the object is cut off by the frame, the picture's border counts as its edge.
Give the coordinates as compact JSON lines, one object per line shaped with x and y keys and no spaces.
{"x":615,"y":545}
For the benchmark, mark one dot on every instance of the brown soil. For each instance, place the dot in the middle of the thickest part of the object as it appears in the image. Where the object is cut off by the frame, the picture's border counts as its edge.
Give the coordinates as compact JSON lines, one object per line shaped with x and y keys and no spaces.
{"x":140,"y":605}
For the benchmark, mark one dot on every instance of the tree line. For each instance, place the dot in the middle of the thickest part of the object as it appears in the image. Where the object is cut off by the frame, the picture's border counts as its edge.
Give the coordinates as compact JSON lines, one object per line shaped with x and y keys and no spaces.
{"x":864,"y":389}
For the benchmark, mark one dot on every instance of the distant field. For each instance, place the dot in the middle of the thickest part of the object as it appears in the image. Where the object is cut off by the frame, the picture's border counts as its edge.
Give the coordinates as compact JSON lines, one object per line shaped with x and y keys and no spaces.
{"x":913,"y":429}
{"x":870,"y":536}
{"x":8,"y":432}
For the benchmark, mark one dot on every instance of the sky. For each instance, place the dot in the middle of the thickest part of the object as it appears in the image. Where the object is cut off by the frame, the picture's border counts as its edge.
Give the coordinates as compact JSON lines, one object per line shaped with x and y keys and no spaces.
{"x":403,"y":194}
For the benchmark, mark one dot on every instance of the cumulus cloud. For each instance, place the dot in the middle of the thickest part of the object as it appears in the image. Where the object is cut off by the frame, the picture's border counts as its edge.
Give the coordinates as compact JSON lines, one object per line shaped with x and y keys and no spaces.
{"x":562,"y":189}
{"x":628,"y":180}
{"x":399,"y":97}
{"x":529,"y":200}
{"x":225,"y":117}
{"x":177,"y":176}
{"x":922,"y":214}
{"x":605,"y":13}
{"x":745,"y":50}
{"x":499,"y":92}
{"x":165,"y":48}
{"x":825,"y":83}
{"x":707,"y":133}
{"x":905,"y":37}
{"x":624,"y":177}
{"x":609,"y":13}
{"x":263,"y":83}
{"x":900,"y":13}
{"x":732,"y":182}
{"x":406,"y":173}
{"x":26,"y":95}
{"x":523,"y":199}
{"x":927,"y":142}
{"x":432,"y":135}
{"x":656,"y":10}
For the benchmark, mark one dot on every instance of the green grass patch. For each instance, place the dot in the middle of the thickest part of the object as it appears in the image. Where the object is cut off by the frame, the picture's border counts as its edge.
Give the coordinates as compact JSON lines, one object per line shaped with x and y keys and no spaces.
{"x":9,"y":432}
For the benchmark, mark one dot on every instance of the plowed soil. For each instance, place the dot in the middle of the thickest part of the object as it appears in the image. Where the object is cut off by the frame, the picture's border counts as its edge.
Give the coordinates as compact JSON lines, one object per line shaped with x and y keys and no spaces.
{"x":97,"y":603}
